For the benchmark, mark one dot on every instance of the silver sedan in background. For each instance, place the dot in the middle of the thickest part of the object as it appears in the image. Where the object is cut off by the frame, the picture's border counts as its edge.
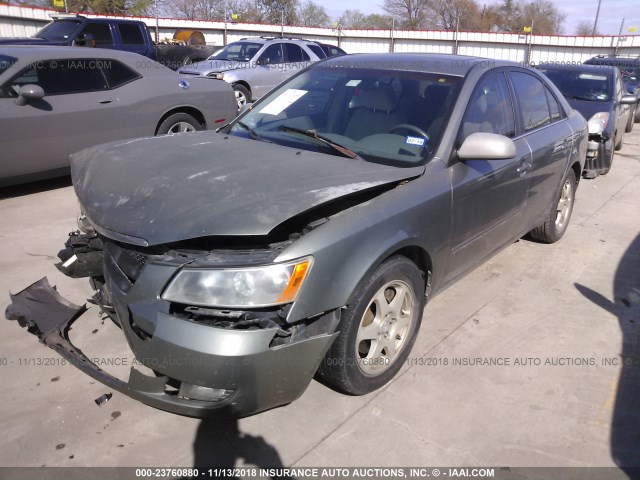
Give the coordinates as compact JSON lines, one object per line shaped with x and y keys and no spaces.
{"x":55,"y":101}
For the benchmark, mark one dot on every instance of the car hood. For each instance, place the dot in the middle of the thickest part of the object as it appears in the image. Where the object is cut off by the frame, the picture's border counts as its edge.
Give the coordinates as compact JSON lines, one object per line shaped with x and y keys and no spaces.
{"x":170,"y":188}
{"x":27,"y":41}
{"x":588,"y":109}
{"x":214,"y":66}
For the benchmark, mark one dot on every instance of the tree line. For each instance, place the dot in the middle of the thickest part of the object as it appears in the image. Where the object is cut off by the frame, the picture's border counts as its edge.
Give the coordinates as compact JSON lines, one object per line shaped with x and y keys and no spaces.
{"x":465,"y":15}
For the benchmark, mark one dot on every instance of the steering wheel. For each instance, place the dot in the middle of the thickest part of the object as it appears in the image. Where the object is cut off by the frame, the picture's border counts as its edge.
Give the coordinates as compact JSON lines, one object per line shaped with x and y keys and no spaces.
{"x":413,"y":128}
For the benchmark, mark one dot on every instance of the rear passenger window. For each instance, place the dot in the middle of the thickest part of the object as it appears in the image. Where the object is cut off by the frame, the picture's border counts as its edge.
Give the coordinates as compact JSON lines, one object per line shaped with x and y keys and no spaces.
{"x":101,"y":33}
{"x":554,"y":106}
{"x":130,"y":34}
{"x":117,"y":73}
{"x":490,"y":109}
{"x":532,"y":98}
{"x":295,"y":53}
{"x":317,"y":50}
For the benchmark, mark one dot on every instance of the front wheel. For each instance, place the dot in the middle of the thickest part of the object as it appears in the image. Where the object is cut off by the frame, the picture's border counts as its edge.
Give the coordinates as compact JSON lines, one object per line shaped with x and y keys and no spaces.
{"x":377,"y":329}
{"x":243,"y":95}
{"x":557,"y":221}
{"x":178,"y":123}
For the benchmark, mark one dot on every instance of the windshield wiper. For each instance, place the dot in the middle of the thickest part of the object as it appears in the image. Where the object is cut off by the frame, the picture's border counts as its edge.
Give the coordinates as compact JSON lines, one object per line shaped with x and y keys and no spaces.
{"x":313,"y":134}
{"x":577,"y":97}
{"x":252,"y":132}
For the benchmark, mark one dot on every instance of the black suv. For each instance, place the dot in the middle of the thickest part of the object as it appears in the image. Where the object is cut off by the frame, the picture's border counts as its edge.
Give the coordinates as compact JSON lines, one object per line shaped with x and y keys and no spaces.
{"x":630,"y":69}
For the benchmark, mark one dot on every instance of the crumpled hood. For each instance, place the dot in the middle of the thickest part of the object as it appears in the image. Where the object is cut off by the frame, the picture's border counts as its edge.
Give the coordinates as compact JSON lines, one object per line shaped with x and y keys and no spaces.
{"x":171,"y":188}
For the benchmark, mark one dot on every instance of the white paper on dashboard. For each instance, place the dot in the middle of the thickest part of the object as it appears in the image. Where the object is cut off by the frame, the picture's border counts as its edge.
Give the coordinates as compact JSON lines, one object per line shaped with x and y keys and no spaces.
{"x":275,"y":107}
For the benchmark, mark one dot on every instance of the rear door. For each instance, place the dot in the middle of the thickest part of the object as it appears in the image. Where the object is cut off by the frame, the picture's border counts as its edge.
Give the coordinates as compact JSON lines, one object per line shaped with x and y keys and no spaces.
{"x":269,"y":71}
{"x":489,"y":196}
{"x":547,"y":132}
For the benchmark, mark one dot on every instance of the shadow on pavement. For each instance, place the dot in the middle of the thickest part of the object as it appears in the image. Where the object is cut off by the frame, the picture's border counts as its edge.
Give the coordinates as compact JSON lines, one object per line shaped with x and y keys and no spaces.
{"x":219,"y":443}
{"x":625,"y":427}
{"x":35,"y":187}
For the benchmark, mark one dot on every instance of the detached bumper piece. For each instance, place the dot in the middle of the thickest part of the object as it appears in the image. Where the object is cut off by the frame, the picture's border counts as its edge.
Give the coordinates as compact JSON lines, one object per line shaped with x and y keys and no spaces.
{"x":224,"y":373}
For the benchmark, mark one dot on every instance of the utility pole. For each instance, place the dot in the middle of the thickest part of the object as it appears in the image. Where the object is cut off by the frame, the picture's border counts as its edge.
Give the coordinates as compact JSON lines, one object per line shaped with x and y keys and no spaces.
{"x":615,"y":52}
{"x":392,"y":46}
{"x":595,"y":22}
{"x":224,"y":34}
{"x":155,"y":7}
{"x":456,"y":33}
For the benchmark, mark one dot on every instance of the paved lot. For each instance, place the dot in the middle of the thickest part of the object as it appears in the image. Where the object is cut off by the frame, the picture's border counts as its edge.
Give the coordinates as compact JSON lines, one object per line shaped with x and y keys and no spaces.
{"x":557,"y":319}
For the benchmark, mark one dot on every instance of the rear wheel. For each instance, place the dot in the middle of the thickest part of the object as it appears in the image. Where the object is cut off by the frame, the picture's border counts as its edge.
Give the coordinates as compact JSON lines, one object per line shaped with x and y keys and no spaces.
{"x":377,"y":329}
{"x":179,"y":123}
{"x":557,"y":221}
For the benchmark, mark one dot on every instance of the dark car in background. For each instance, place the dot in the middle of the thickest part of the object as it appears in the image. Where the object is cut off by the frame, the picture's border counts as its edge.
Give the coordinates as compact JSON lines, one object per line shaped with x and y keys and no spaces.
{"x":309,"y":233}
{"x":598,"y":93}
{"x":630,"y":70}
{"x":55,"y":101}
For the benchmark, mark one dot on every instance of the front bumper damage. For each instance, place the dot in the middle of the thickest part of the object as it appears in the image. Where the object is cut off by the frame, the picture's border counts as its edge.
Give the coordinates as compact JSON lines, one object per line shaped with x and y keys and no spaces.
{"x":201,"y":368}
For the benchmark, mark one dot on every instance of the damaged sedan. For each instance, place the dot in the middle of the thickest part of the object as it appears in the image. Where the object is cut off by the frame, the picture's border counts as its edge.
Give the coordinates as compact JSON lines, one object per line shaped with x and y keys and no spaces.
{"x":305,"y":237}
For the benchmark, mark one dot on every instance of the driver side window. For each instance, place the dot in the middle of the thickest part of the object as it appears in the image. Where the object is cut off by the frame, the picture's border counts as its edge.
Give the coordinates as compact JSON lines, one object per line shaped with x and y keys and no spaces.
{"x":490,"y":109}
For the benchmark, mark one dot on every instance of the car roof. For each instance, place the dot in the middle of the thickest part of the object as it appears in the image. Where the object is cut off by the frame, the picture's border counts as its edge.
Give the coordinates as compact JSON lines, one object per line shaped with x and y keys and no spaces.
{"x":580,"y":67}
{"x":457,"y":65}
{"x":606,"y":60}
{"x":30,"y":53}
{"x":26,"y":54}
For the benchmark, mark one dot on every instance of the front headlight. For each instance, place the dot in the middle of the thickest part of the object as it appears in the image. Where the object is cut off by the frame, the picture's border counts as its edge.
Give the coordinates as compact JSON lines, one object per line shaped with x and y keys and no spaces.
{"x":239,"y":287}
{"x":219,"y":76}
{"x":598,"y":123}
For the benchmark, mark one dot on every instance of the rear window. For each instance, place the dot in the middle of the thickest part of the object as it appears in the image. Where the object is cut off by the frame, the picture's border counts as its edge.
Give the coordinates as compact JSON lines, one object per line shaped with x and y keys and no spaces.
{"x":117,"y":74}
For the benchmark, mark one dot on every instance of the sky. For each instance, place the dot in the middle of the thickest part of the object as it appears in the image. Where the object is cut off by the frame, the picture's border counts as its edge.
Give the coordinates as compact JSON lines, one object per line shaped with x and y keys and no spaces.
{"x":611,"y":12}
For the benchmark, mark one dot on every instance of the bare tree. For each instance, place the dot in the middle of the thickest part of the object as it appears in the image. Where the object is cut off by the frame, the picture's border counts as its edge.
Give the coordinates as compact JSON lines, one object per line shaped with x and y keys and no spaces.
{"x":584,"y":28}
{"x":410,"y":14}
{"x":313,"y":15}
{"x":447,"y":14}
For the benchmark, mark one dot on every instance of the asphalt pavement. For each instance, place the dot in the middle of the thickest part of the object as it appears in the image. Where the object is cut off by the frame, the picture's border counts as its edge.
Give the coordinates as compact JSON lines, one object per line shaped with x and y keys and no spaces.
{"x":521,"y":363}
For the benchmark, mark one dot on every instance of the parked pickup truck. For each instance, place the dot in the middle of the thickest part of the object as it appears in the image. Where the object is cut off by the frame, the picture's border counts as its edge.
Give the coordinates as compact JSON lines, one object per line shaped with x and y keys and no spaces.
{"x":117,"y":34}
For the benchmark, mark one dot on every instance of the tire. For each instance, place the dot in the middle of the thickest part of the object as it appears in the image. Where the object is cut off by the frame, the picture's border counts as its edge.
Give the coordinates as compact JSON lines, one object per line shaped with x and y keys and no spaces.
{"x":618,"y":143}
{"x":362,"y":358}
{"x":243,"y":95}
{"x":607,"y":168}
{"x":557,"y":221}
{"x":179,"y":123}
{"x":637,"y":119}
{"x":632,"y":118}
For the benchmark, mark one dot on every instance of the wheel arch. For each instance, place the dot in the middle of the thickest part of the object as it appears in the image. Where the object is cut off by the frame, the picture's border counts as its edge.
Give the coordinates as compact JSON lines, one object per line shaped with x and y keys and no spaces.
{"x":244,"y":84}
{"x":194,"y":112}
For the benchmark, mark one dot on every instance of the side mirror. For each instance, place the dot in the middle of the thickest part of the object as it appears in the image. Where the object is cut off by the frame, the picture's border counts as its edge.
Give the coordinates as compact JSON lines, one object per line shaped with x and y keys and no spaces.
{"x":29,"y":92}
{"x":84,"y":40}
{"x":629,"y":100}
{"x":487,"y":146}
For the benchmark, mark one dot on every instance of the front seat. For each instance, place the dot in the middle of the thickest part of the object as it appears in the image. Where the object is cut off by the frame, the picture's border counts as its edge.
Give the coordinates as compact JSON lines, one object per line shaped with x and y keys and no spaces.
{"x":376,"y":113}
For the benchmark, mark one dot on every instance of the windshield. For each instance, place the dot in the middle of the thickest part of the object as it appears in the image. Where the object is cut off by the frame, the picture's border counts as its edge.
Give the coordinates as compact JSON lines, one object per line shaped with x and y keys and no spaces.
{"x":58,"y":30}
{"x":237,"y":52}
{"x":580,"y":85}
{"x":384,"y":116}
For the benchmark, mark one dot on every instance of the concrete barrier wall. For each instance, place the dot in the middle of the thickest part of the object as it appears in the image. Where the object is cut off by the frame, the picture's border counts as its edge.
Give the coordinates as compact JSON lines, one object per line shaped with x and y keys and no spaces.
{"x":20,"y":21}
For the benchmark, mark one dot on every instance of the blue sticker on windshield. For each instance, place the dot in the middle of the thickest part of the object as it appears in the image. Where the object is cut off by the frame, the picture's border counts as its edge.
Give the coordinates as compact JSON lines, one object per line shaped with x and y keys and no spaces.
{"x":415,"y":141}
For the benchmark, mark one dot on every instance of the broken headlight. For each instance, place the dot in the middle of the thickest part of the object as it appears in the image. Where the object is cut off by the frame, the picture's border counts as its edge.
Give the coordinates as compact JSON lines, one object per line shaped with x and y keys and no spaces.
{"x":264,"y":286}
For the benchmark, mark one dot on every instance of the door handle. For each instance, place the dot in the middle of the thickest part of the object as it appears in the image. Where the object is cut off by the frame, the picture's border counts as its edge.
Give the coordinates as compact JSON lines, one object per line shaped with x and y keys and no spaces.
{"x":109,"y":100}
{"x":524,"y":167}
